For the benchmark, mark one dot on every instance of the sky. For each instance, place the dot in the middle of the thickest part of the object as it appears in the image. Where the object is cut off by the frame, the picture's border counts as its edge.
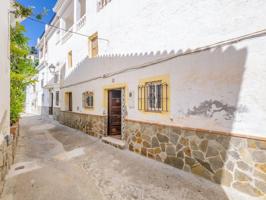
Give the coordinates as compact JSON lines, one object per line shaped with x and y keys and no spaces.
{"x":35,"y":29}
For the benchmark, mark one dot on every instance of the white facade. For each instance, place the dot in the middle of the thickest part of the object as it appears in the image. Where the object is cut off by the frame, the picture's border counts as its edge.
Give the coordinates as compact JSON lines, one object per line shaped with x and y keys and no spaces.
{"x":4,"y":70}
{"x":219,"y":89}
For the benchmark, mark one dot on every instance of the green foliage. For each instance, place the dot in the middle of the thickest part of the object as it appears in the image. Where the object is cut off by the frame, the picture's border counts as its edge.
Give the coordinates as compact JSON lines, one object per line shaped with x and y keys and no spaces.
{"x":22,"y":70}
{"x":21,"y":11}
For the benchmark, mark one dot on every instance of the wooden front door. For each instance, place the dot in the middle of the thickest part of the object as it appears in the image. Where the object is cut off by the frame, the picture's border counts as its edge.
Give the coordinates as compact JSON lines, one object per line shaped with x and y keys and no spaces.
{"x":70,"y":101}
{"x":114,"y":112}
{"x":51,"y":104}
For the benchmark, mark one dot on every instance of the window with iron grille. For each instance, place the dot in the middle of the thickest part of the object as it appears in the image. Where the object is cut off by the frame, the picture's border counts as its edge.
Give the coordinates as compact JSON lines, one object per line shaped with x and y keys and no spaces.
{"x":153,"y":97}
{"x":57,"y":98}
{"x":87,"y":99}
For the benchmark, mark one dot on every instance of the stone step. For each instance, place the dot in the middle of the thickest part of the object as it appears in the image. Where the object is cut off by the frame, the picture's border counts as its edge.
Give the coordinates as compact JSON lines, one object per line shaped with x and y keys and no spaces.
{"x":114,"y":142}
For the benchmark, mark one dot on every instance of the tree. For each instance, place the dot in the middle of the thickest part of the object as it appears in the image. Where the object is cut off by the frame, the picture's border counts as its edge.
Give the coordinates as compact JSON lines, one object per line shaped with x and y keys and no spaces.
{"x":22,"y":67}
{"x":22,"y":70}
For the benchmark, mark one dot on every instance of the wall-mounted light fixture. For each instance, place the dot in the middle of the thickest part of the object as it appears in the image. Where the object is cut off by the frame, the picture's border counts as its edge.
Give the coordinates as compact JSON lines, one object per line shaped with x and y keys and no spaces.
{"x":52,"y":68}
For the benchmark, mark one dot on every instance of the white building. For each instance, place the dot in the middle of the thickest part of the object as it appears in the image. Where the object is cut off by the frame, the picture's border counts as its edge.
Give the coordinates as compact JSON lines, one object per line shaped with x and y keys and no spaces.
{"x":178,"y":81}
{"x":4,"y":71}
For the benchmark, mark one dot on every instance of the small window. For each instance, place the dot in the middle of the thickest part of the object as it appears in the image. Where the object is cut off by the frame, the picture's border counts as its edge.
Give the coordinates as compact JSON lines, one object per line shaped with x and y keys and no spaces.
{"x":153,"y":97}
{"x":87,"y":98}
{"x":70,"y":60}
{"x":57,"y":98}
{"x":42,"y":97}
{"x":94,"y":45}
{"x":42,"y":82}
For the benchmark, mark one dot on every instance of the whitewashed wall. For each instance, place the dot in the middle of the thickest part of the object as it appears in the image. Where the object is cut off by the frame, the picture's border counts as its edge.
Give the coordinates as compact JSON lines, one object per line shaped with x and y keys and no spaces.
{"x":4,"y":69}
{"x":231,"y":78}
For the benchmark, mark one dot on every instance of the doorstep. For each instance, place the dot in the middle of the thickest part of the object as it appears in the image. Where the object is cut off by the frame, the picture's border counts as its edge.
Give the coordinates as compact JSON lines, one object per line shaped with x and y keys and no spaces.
{"x":114,"y":142}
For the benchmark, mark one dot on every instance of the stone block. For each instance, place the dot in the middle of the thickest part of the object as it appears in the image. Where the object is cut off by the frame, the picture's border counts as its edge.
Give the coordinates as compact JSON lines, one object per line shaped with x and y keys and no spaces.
{"x":175,"y":162}
{"x":155,"y":142}
{"x":184,"y":141}
{"x":211,"y":151}
{"x":243,"y":166}
{"x":173,"y":138}
{"x":216,"y":163}
{"x":198,"y":155}
{"x":247,"y":188}
{"x":241,"y":176}
{"x":261,"y":186}
{"x":223,"y":177}
{"x":201,"y":171}
{"x":259,"y":156}
{"x":193,"y":145}
{"x":162,"y":138}
{"x":261,"y":167}
{"x":170,"y":150}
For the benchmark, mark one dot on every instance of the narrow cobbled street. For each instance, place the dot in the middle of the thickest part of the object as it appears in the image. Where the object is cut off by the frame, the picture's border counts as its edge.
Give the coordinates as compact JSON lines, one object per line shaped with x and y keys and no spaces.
{"x":54,"y":162}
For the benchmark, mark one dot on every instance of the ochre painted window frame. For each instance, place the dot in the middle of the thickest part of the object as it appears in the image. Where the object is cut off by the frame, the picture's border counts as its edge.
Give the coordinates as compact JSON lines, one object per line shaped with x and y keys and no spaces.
{"x":94,"y":50}
{"x":86,"y":95}
{"x":70,"y":59}
{"x":142,"y":105}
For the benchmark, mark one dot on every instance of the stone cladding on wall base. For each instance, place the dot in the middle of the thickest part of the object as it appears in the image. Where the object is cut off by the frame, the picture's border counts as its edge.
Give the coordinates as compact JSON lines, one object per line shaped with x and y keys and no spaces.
{"x":93,"y":125}
{"x":7,"y":153}
{"x":235,"y":162}
{"x":56,"y":113}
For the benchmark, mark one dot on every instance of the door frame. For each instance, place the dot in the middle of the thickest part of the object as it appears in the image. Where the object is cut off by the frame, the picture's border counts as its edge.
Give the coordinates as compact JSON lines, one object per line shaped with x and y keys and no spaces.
{"x":108,"y":111}
{"x":51,"y":103}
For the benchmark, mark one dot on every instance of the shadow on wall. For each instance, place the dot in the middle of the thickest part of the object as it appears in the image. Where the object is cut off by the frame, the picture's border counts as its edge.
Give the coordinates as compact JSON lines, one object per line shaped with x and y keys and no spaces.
{"x":205,"y":88}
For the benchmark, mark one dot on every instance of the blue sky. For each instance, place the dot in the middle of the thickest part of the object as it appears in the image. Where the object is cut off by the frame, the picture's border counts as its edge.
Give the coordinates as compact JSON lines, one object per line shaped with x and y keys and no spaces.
{"x":35,"y":29}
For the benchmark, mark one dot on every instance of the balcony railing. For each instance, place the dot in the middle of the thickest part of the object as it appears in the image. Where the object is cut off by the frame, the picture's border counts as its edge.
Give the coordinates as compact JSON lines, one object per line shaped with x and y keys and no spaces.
{"x":81,"y":22}
{"x":67,"y":35}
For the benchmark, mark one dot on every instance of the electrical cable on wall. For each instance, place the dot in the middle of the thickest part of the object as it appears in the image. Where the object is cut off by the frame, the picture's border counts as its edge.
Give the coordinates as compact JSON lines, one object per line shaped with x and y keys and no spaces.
{"x":68,"y":31}
{"x":256,"y":34}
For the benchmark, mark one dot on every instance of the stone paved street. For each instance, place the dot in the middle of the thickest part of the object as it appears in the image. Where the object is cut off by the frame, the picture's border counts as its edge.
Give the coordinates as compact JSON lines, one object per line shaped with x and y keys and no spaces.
{"x":54,"y":162}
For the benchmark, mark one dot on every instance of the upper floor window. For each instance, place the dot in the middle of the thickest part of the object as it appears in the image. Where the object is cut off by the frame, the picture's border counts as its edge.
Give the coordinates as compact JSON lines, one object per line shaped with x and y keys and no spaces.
{"x":70,"y":59}
{"x":153,"y":97}
{"x":87,"y":98}
{"x":101,"y":4}
{"x":93,"y":40}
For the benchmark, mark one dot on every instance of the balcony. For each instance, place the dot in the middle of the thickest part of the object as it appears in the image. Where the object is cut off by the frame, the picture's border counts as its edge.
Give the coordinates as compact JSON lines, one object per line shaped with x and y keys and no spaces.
{"x":73,"y":18}
{"x":81,"y":22}
{"x":68,"y":34}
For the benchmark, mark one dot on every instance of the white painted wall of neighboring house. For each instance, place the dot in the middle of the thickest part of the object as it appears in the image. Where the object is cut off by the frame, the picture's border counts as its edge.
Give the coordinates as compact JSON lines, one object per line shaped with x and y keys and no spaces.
{"x":4,"y":69}
{"x":135,"y":32}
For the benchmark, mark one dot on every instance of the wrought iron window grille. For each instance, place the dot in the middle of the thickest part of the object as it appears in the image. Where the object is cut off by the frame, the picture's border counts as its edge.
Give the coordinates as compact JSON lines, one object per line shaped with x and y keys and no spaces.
{"x":87,"y":99}
{"x":153,"y":97}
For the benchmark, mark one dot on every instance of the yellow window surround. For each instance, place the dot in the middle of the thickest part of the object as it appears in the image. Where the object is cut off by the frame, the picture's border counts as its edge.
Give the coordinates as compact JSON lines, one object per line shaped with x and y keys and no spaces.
{"x":164,"y":79}
{"x":93,"y":45}
{"x":70,"y":59}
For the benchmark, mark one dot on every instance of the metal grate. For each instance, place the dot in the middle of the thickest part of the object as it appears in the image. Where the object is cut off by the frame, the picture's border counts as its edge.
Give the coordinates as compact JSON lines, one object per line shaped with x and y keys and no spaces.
{"x":153,"y":97}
